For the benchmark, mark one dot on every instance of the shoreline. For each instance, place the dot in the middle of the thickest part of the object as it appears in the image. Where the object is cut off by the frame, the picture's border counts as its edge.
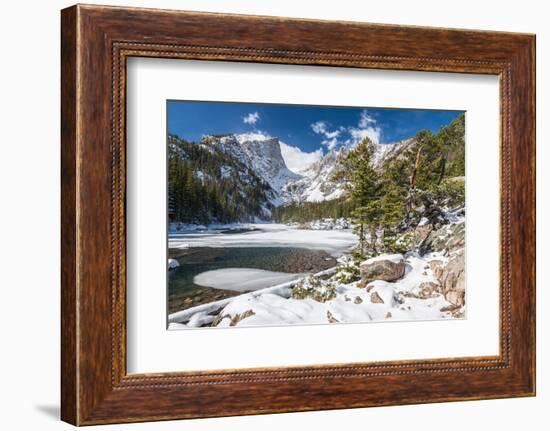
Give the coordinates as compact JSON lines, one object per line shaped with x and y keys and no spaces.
{"x":183,"y":293}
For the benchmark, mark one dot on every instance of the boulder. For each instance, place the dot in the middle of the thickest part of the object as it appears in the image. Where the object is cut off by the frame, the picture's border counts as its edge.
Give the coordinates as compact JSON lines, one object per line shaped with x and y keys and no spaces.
{"x":233,"y":320}
{"x":452,"y":278}
{"x":375,"y":298}
{"x":385,"y":267}
{"x":331,"y":318}
{"x":382,"y":292}
{"x":422,"y":232}
{"x":456,"y":297}
{"x":428,"y":289}
{"x":447,"y":239}
{"x":238,"y":317}
{"x":437,"y":267}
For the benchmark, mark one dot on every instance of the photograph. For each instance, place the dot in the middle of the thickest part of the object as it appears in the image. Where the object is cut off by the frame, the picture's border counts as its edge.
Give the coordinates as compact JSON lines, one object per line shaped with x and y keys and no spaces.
{"x":298,"y":214}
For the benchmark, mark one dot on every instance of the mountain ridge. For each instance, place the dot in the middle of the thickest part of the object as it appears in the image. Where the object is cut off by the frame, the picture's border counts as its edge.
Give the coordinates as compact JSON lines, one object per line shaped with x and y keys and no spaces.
{"x":263,"y":155}
{"x":260,"y":153}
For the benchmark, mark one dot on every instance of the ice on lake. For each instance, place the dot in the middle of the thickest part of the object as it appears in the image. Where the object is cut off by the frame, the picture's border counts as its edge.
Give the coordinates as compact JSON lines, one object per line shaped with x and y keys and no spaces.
{"x":334,"y":242}
{"x":242,"y":279}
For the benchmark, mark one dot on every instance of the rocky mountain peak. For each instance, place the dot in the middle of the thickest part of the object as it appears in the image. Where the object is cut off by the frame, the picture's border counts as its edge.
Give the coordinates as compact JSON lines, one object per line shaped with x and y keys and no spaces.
{"x":260,"y":153}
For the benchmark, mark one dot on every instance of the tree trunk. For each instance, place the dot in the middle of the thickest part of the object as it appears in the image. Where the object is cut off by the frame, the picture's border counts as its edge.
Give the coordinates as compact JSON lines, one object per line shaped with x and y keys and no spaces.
{"x":362,"y":240}
{"x":442,"y":170}
{"x":380,"y":239}
{"x":373,"y":238}
{"x":412,"y":182}
{"x":415,"y":170}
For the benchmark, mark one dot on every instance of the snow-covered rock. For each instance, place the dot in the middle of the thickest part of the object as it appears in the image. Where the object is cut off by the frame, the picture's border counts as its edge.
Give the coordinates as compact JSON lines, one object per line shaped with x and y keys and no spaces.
{"x":382,"y":292}
{"x":383,"y":267}
{"x":452,"y":277}
{"x":448,"y":238}
{"x":173,"y":264}
{"x":314,"y":288}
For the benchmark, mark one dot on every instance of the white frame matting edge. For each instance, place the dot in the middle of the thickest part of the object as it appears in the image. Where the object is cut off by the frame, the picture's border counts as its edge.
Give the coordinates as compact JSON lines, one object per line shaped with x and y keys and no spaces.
{"x":152,"y":348}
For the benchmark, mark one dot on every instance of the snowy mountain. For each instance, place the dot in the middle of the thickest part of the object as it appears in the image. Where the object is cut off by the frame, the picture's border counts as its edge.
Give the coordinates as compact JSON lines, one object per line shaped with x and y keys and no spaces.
{"x":384,"y":152}
{"x":261,"y":154}
{"x":316,"y":184}
{"x":207,"y":185}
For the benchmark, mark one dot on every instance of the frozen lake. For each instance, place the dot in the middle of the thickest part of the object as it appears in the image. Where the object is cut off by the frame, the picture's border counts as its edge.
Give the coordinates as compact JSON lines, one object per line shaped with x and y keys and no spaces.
{"x":218,"y":263}
{"x":334,"y":242}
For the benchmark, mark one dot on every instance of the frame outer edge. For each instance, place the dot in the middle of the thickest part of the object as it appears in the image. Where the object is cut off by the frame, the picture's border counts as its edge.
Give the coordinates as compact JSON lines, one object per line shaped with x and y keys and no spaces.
{"x":532,"y":127}
{"x":69,"y":211}
{"x":533,"y":54}
{"x":523,"y":200}
{"x":87,"y":395}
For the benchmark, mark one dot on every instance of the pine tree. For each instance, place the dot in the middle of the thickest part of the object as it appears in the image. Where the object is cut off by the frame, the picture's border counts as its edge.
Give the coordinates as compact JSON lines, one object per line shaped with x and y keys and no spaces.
{"x":365,"y":189}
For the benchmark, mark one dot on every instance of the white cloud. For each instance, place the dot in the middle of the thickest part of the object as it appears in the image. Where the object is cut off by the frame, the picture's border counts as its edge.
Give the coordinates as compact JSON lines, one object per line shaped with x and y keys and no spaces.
{"x":366,"y":120}
{"x":298,"y":160}
{"x":251,"y":118}
{"x":319,"y":127}
{"x":366,"y":128}
{"x":348,"y":136}
{"x":330,"y":137}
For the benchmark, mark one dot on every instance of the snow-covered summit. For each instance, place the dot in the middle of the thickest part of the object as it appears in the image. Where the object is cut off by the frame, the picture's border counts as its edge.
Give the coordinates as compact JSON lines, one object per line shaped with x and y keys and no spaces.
{"x":317,"y":183}
{"x":259,"y":152}
{"x":383,"y":152}
{"x":262,"y":153}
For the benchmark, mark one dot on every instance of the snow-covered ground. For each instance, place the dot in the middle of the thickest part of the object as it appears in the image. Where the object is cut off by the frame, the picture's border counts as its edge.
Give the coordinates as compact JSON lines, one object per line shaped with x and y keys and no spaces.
{"x":330,"y":223}
{"x":334,"y":242}
{"x":243,"y":279}
{"x":378,"y":301}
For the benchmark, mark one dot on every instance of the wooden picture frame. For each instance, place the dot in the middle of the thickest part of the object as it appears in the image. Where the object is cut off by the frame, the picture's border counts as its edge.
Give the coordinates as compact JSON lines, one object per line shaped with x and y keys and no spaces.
{"x":96,"y":41}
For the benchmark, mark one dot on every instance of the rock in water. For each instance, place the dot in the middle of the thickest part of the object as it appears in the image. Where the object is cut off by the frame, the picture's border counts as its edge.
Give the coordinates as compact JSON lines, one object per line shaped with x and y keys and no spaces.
{"x":386,"y":268}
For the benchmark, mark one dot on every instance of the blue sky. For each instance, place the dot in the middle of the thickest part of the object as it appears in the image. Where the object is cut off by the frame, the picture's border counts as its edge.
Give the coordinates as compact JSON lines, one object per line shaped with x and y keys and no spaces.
{"x":305,"y":131}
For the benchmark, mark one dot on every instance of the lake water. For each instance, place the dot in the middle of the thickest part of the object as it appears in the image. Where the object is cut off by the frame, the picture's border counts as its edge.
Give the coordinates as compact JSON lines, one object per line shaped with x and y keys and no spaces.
{"x":184,"y":293}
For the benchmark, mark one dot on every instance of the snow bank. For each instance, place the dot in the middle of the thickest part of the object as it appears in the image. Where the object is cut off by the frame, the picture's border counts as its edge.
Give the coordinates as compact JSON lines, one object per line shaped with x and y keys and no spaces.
{"x":395,"y":258}
{"x":379,"y":301}
{"x":243,"y":279}
{"x":283,"y":290}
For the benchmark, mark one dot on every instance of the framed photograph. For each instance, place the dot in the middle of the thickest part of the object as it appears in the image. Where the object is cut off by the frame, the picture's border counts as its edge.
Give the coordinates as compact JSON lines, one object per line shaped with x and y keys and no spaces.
{"x":324,"y":214}
{"x":362,"y":220}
